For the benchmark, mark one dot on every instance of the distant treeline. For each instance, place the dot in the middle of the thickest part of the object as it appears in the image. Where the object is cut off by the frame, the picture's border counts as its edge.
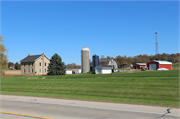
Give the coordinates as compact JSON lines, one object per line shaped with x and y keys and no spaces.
{"x":11,"y":65}
{"x":174,"y":58}
{"x":74,"y":66}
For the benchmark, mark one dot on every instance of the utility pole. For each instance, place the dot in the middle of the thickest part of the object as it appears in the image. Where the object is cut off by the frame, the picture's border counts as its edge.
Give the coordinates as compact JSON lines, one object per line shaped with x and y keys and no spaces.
{"x":156,"y":43}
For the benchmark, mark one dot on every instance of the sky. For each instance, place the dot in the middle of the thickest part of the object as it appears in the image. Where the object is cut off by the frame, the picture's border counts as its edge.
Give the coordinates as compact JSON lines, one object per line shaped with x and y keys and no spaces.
{"x":108,"y":28}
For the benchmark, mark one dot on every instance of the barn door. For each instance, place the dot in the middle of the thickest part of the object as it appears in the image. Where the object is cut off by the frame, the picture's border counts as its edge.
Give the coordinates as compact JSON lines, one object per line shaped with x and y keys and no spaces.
{"x":152,"y":67}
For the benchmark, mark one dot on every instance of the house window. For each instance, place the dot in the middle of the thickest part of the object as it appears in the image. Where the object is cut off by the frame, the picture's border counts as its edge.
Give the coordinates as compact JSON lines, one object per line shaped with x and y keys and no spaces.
{"x":39,"y":70}
{"x":28,"y":71}
{"x":32,"y":64}
{"x":28,"y":64}
{"x":45,"y":70}
{"x":40,"y":64}
{"x":24,"y":70}
{"x":45,"y":64}
{"x":32,"y":70}
{"x":24,"y":64}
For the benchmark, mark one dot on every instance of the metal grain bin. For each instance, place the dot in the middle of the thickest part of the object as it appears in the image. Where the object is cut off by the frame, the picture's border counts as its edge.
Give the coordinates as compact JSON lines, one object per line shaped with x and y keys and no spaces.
{"x":95,"y":61}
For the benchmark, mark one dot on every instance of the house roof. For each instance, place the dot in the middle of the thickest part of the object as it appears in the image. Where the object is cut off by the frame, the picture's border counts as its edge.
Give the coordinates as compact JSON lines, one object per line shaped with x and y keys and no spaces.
{"x":162,"y":62}
{"x":32,"y":58}
{"x":68,"y":68}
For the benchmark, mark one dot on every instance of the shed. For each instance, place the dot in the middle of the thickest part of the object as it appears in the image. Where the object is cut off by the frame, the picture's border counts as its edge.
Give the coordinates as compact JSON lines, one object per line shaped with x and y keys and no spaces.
{"x":78,"y":71}
{"x":103,"y":70}
{"x":68,"y":70}
{"x":139,"y":65}
{"x":155,"y":64}
{"x":123,"y":65}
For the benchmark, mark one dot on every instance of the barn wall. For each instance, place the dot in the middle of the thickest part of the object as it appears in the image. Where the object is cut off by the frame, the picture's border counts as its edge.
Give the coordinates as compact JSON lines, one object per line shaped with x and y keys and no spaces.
{"x":106,"y":71}
{"x":138,"y":67}
{"x":135,"y":66}
{"x":167,"y":66}
{"x":157,"y":64}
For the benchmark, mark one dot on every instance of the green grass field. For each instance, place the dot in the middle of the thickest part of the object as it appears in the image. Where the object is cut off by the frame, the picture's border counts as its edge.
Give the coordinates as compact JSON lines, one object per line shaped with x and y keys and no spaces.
{"x":175,"y":65}
{"x":143,"y":87}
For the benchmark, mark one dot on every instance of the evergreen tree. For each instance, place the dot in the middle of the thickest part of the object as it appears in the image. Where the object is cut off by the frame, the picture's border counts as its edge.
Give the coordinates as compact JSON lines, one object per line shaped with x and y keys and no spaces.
{"x":56,"y":66}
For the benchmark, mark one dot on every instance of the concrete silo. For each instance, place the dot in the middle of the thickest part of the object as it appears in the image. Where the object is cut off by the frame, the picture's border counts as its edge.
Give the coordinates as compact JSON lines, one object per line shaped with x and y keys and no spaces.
{"x":85,"y":60}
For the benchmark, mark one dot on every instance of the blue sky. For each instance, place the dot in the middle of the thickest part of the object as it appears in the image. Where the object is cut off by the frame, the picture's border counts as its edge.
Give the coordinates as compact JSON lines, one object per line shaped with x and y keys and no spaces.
{"x":108,"y":28}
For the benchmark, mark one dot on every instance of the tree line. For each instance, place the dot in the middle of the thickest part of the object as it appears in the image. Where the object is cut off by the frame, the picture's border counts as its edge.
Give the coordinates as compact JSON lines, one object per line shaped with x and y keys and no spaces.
{"x":16,"y":66}
{"x":174,"y":58}
{"x":74,"y":66}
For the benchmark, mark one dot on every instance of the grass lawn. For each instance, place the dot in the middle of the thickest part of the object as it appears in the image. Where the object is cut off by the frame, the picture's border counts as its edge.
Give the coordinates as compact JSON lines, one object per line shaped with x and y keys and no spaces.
{"x":143,"y":87}
{"x":175,"y":65}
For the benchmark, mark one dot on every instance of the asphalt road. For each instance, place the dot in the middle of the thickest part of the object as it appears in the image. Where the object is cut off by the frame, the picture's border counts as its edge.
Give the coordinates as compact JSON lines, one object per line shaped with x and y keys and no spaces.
{"x":72,"y":111}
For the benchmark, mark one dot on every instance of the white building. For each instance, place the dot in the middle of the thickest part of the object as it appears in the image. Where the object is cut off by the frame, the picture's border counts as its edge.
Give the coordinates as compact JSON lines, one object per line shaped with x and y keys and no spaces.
{"x":68,"y":70}
{"x":78,"y":71}
{"x":108,"y":63}
{"x":103,"y":70}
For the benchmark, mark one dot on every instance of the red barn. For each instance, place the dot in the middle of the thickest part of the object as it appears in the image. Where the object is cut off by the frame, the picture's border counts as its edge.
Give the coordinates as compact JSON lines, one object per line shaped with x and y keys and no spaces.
{"x":139,"y":65}
{"x":154,"y":65}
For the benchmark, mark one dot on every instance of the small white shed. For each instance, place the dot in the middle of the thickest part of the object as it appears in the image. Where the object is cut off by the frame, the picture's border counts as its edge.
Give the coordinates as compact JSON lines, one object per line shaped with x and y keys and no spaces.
{"x":68,"y":70}
{"x":103,"y":70}
{"x":78,"y":71}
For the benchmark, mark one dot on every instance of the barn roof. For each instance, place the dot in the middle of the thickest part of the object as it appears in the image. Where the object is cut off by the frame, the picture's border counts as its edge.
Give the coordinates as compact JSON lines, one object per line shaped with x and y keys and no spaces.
{"x":104,"y":63}
{"x":141,"y":63}
{"x":162,"y":62}
{"x":107,"y":63}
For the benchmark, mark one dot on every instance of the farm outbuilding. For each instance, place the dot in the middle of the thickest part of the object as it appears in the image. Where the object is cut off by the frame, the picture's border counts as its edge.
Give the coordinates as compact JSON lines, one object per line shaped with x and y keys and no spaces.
{"x":68,"y":70}
{"x":103,"y":70}
{"x":155,"y":64}
{"x":78,"y":71}
{"x":125,"y":65}
{"x":108,"y":63}
{"x":139,"y":65}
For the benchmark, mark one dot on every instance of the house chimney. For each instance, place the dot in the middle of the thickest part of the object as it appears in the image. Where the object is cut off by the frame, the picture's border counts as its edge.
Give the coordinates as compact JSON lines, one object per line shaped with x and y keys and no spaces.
{"x":29,"y":54}
{"x":43,"y":53}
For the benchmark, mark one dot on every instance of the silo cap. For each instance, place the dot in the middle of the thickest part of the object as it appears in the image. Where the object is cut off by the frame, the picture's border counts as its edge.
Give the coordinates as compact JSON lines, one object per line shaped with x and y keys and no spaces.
{"x":85,"y":48}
